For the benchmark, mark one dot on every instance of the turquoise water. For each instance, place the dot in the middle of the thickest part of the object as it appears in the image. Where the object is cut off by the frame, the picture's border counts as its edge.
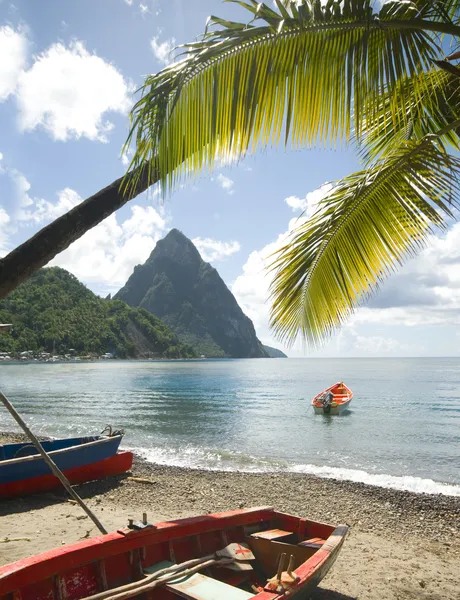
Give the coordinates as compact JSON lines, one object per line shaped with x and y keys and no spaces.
{"x":403,"y":429}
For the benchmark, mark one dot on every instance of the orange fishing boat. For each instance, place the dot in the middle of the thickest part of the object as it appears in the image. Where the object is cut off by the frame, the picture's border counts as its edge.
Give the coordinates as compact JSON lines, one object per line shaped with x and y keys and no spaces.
{"x":333,"y":401}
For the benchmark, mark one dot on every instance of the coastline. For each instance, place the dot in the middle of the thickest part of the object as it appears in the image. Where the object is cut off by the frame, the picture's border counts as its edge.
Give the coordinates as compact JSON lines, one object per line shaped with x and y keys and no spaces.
{"x":406,"y":542}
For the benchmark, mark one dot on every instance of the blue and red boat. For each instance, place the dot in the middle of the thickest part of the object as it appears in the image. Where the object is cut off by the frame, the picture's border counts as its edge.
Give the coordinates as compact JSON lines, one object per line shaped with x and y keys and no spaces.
{"x":23,"y":470}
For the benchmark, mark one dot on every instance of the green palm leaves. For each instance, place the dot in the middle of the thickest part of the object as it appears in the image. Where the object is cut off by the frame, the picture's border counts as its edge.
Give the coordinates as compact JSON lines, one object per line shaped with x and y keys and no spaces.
{"x":369,"y":222}
{"x":300,"y":75}
{"x":310,"y":72}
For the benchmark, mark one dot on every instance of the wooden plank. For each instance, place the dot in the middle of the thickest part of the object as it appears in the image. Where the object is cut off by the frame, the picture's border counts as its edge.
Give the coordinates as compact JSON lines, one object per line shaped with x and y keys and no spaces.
{"x":200,"y":587}
{"x":275,"y":534}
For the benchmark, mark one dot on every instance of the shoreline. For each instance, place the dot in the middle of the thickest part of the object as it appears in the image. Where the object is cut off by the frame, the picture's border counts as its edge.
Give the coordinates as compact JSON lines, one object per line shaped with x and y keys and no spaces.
{"x":400,"y":545}
{"x":370,"y":507}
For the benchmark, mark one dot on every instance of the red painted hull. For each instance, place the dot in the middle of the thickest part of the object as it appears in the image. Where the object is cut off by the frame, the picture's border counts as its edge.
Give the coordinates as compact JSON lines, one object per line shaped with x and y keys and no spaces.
{"x":114,"y":465}
{"x":106,"y":562}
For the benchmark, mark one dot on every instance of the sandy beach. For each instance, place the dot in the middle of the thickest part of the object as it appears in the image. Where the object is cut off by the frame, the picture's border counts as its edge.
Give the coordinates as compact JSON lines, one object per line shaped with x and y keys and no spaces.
{"x":401,"y":545}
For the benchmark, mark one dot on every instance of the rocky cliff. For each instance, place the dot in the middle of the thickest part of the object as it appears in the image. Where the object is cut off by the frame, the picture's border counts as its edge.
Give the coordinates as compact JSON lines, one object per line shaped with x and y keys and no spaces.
{"x":274,"y":352}
{"x":188,"y":294}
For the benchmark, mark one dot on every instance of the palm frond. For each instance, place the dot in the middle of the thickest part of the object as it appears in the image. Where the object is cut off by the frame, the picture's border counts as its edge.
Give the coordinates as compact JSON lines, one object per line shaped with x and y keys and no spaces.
{"x":298,"y":74}
{"x":432,"y":103}
{"x":369,"y":223}
{"x":452,"y":8}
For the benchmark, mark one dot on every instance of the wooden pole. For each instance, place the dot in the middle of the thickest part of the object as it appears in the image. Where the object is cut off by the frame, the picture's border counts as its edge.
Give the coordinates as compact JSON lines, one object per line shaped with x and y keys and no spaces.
{"x":52,"y":465}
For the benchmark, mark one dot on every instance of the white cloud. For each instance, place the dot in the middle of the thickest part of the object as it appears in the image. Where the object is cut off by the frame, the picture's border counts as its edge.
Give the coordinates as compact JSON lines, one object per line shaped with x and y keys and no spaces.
{"x":4,"y":218}
{"x":215,"y":250}
{"x":349,"y":342}
{"x":13,"y":50}
{"x":225,"y":183}
{"x":21,"y":189}
{"x":251,"y":288}
{"x":129,"y":2}
{"x":309,"y":204}
{"x":127,"y":156}
{"x":68,"y":91}
{"x":162,"y":51}
{"x":36,"y":210}
{"x":47,"y":211}
{"x":1,"y":156}
{"x":106,"y":255}
{"x":4,"y":221}
{"x":426,"y":291}
{"x":144,"y":8}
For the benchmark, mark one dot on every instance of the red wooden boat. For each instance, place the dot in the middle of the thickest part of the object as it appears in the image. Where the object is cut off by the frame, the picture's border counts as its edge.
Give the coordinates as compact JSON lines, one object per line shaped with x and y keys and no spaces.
{"x":333,"y":401}
{"x":272,"y":555}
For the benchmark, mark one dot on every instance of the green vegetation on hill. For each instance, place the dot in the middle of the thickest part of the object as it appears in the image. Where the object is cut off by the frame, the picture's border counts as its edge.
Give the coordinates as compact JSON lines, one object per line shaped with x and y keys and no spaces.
{"x":53,"y":311}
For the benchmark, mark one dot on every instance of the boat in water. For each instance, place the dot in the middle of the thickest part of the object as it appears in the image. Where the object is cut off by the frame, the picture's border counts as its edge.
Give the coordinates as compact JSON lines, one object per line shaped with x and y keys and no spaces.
{"x":255,"y":553}
{"x":23,"y":470}
{"x":333,"y":401}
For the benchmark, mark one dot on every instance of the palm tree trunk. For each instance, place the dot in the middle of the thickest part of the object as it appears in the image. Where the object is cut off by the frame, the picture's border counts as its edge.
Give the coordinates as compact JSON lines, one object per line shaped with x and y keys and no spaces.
{"x":36,"y":252}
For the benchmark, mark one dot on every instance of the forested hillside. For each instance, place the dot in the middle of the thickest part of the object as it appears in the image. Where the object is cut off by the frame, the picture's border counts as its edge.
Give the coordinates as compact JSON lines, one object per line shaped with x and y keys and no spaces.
{"x":54,"y":312}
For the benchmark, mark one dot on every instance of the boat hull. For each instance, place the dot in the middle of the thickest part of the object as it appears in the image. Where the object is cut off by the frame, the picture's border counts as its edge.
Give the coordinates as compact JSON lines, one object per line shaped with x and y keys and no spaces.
{"x":113,"y":465}
{"x":335,"y":410}
{"x":117,"y":559}
{"x":67,"y":454}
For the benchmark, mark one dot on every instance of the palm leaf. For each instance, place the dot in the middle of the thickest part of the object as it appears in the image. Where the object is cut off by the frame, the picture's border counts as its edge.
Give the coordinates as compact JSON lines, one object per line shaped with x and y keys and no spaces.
{"x":304,"y":74}
{"x":369,"y":223}
{"x":432,"y":103}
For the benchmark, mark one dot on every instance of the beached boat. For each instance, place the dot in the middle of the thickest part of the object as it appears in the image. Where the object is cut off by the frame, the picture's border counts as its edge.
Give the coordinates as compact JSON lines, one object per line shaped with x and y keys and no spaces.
{"x":23,"y":470}
{"x":333,"y":401}
{"x":253,"y":553}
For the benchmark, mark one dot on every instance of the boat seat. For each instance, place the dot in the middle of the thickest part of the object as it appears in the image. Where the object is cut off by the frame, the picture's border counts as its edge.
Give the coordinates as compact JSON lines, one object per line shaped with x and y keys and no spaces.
{"x":199,"y":587}
{"x":277,"y":535}
{"x":312,"y":543}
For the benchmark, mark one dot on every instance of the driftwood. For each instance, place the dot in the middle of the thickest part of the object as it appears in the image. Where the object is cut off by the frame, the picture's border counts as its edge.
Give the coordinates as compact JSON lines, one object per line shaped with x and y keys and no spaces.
{"x":141,"y":480}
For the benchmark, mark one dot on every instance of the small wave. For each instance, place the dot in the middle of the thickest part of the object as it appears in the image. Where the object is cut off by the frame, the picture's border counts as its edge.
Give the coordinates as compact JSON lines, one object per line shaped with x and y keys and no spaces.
{"x":406,"y":483}
{"x":212,"y":460}
{"x":209,"y":459}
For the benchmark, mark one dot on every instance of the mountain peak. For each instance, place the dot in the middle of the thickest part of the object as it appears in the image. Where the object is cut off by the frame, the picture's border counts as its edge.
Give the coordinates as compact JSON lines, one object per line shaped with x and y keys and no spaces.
{"x":176,"y":285}
{"x":177,"y":247}
{"x":176,"y":234}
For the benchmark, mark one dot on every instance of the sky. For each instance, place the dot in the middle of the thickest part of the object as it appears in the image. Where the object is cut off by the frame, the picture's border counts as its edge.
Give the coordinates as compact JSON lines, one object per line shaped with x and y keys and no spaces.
{"x":68,"y":76}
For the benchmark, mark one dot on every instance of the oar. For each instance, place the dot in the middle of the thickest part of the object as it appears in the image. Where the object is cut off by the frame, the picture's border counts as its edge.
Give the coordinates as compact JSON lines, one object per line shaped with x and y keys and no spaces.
{"x":146,"y":587}
{"x":228,"y":555}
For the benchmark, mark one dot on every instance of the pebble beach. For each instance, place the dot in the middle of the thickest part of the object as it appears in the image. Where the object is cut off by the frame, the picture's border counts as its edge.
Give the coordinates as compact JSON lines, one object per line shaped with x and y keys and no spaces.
{"x":401,"y":544}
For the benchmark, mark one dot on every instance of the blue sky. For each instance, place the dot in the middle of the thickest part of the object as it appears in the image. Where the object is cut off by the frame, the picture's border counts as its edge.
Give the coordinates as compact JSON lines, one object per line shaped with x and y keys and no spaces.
{"x":65,"y":91}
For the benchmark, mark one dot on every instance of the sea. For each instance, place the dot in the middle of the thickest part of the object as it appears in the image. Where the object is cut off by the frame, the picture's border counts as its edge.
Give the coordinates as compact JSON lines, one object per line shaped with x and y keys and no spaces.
{"x":402,"y":430}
